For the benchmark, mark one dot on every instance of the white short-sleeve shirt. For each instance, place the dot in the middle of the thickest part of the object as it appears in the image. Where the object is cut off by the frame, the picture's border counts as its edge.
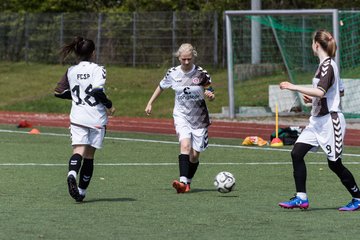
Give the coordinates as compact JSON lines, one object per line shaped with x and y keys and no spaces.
{"x":85,"y":110}
{"x":190,"y":106}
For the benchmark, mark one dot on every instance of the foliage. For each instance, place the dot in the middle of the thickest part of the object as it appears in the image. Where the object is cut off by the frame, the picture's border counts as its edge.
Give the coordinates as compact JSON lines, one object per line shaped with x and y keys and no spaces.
{"x":164,"y":5}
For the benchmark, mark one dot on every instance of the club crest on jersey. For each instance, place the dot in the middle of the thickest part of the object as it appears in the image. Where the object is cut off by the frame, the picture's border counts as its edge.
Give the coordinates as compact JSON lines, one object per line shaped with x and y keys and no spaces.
{"x":196,"y":80}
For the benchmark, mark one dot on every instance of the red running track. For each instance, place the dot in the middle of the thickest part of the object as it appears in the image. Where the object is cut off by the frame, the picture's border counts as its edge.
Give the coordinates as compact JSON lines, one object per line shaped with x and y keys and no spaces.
{"x":222,"y":129}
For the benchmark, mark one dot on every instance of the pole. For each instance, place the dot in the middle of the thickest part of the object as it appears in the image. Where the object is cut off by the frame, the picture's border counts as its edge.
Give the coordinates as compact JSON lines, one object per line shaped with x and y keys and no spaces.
{"x":230,"y":67}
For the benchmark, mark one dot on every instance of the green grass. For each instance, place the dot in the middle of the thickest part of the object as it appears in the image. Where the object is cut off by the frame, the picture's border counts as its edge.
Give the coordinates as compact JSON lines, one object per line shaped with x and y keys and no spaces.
{"x":128,"y":201}
{"x":30,"y":87}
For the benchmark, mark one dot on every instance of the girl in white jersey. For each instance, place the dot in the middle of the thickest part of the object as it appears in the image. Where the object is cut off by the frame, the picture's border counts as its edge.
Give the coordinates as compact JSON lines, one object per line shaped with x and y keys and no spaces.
{"x":191,"y":84}
{"x":84,"y":85}
{"x":327,"y":124}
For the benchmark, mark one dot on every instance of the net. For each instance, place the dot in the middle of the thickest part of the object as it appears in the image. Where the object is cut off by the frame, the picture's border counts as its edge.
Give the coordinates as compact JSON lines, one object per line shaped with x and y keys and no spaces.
{"x":284,"y":53}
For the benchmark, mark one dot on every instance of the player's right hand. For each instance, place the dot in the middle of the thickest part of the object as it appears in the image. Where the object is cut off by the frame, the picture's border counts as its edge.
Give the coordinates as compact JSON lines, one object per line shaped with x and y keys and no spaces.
{"x":148,"y":109}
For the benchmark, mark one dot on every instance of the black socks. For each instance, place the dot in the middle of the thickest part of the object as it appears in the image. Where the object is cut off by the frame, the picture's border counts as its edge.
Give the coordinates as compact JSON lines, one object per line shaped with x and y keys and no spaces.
{"x":75,"y":163}
{"x":187,"y":168}
{"x":192,"y":169}
{"x":86,"y":173}
{"x":86,"y":169}
{"x":184,"y":160}
{"x":347,"y":179}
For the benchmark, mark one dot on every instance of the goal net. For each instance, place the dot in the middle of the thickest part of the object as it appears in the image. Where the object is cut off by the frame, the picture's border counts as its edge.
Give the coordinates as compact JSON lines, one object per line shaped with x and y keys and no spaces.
{"x":270,"y":46}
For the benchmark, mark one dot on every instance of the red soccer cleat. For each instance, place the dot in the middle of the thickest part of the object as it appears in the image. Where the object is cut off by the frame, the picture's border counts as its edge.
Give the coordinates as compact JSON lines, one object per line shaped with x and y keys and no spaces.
{"x":187,"y":189}
{"x":179,"y":186}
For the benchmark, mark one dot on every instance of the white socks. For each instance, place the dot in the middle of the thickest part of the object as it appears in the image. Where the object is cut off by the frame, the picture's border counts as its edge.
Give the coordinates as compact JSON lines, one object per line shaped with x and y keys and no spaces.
{"x":72,"y":172}
{"x":301,"y":195}
{"x":183,"y":179}
{"x":82,"y":191}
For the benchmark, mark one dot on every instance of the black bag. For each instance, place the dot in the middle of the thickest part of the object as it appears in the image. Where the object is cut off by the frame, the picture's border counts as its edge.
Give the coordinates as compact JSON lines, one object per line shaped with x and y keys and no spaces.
{"x":287,"y":135}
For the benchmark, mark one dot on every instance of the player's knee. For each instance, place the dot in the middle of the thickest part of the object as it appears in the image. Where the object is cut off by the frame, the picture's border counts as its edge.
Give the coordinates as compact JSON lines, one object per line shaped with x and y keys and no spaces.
{"x":296,"y":155}
{"x":185,"y":148}
{"x":336,"y":166}
{"x":194,"y":157}
{"x":299,"y":151}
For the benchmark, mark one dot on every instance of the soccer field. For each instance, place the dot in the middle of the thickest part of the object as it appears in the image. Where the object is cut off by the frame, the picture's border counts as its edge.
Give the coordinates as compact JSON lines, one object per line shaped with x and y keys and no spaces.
{"x":130,"y":196}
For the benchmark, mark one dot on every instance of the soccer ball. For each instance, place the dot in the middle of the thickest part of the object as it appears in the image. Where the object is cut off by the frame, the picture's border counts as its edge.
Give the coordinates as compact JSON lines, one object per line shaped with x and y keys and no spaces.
{"x":224,"y":182}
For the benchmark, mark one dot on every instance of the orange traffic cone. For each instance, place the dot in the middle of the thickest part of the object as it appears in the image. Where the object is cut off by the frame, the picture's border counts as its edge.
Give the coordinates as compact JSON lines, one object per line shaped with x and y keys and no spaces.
{"x":34,"y":131}
{"x":276,"y":142}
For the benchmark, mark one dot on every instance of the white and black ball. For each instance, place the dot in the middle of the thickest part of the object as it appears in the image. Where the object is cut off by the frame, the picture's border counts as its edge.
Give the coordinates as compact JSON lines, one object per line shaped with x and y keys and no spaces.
{"x":224,"y":182}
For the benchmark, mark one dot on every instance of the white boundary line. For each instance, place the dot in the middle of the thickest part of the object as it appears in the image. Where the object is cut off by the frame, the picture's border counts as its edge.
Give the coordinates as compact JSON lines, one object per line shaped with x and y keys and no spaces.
{"x":164,"y":164}
{"x":171,"y":142}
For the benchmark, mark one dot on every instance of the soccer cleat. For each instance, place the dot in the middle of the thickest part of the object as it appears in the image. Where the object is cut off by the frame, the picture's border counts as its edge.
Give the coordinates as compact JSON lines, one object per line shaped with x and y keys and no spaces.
{"x":82,"y":193}
{"x":80,"y":198}
{"x":351,"y":206}
{"x":187,"y":189}
{"x":73,"y":189}
{"x":179,"y":186}
{"x":295,"y":202}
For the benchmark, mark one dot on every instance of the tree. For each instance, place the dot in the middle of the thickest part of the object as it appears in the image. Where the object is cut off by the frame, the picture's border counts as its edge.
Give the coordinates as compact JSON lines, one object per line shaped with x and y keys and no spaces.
{"x":165,"y":5}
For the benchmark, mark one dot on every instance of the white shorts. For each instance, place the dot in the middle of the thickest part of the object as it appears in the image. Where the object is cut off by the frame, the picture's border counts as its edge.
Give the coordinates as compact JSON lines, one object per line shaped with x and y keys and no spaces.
{"x":81,"y":135}
{"x":327,"y":132}
{"x":198,"y":137}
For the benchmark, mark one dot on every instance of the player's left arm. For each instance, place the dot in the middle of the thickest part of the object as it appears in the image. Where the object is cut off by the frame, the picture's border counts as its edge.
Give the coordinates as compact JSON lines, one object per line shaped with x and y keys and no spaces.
{"x":100,"y":96}
{"x":327,"y":78}
{"x":98,"y":91}
{"x":209,"y":91}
